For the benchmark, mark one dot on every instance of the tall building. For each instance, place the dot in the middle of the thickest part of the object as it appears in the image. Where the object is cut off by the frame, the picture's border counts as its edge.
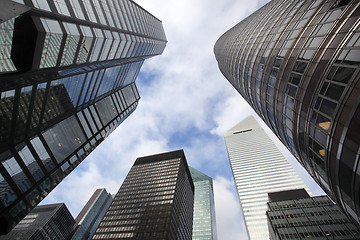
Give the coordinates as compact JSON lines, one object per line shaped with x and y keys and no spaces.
{"x":297,"y":64}
{"x":45,"y":222}
{"x":258,"y":168}
{"x":204,"y":220}
{"x":155,"y":201}
{"x":67,"y":73}
{"x":90,"y":216}
{"x":294,"y":214}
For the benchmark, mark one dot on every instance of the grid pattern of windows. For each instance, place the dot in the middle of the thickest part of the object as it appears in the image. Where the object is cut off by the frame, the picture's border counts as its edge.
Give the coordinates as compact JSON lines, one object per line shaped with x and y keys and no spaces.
{"x":52,"y":221}
{"x":255,"y":163}
{"x":152,"y":202}
{"x":204,"y":222}
{"x":314,"y":218}
{"x":297,"y":64}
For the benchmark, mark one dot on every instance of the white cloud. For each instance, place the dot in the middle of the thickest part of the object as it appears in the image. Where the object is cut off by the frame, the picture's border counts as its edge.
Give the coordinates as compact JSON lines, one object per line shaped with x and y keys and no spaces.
{"x":227,"y":210}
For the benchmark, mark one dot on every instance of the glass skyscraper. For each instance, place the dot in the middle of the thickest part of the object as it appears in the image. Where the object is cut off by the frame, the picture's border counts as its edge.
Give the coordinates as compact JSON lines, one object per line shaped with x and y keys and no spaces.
{"x":258,"y":168}
{"x":67,"y":80}
{"x":90,"y":216}
{"x":155,"y":201}
{"x":204,"y":220}
{"x":294,"y":214}
{"x":297,"y":64}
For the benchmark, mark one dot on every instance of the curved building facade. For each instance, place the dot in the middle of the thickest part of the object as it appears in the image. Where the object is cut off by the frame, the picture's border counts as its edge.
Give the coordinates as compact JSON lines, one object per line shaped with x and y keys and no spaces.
{"x":297,"y":64}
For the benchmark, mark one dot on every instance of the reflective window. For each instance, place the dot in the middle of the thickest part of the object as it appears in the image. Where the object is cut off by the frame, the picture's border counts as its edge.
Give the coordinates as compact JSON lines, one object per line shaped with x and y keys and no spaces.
{"x":7,"y":195}
{"x":99,"y":40}
{"x":23,"y":110}
{"x":42,"y":153}
{"x":61,"y":7}
{"x":42,"y":4}
{"x":52,"y":43}
{"x":64,"y":138}
{"x":6,"y":110}
{"x":77,"y":9}
{"x":86,"y":42}
{"x":16,"y":173}
{"x":30,"y":163}
{"x":6,"y":32}
{"x":38,"y":105}
{"x":106,"y":109}
{"x":71,"y":44}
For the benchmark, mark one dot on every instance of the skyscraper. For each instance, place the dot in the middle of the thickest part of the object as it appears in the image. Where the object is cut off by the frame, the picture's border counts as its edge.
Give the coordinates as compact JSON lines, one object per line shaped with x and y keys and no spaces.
{"x":155,"y":201}
{"x":294,"y":214}
{"x":90,"y":216}
{"x":204,"y":220}
{"x":67,"y":74}
{"x":51,"y":221}
{"x":297,"y":64}
{"x":258,"y":168}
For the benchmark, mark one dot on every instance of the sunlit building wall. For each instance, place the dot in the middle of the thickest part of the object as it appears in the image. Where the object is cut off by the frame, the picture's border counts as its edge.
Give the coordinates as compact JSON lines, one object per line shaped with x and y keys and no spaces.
{"x":258,"y":168}
{"x":297,"y":64}
{"x":67,"y":74}
{"x":204,"y":220}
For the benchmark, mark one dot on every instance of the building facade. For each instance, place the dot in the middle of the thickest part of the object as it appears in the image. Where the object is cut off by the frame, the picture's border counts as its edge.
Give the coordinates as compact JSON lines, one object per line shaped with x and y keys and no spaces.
{"x":297,"y":64}
{"x":45,"y":222}
{"x":155,"y":201}
{"x":67,"y":73}
{"x":295,"y":215}
{"x":204,"y":219}
{"x":258,"y":168}
{"x":90,"y":216}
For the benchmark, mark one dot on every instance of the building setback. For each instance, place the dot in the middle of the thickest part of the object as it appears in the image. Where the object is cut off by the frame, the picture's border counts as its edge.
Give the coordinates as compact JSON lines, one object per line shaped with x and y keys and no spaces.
{"x":90,"y":216}
{"x":204,"y":220}
{"x":155,"y":201}
{"x":297,"y":64}
{"x":45,"y":222}
{"x":258,"y":168}
{"x":67,"y":74}
{"x":294,"y":214}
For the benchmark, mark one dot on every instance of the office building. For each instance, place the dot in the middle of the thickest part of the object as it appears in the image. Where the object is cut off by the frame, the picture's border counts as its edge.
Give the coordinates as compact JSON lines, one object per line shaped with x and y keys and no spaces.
{"x":258,"y":168}
{"x":294,"y":214}
{"x":204,"y":220}
{"x":90,"y":216}
{"x":155,"y":201}
{"x":297,"y":64}
{"x":45,"y":222}
{"x":67,"y":74}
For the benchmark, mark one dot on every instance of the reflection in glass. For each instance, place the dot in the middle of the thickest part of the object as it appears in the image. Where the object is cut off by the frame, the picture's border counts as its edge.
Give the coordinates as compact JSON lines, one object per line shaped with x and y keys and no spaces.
{"x":64,"y":138}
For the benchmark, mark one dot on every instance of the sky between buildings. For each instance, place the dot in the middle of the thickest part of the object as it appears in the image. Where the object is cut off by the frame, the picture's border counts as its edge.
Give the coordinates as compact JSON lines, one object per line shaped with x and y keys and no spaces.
{"x":186,"y":103}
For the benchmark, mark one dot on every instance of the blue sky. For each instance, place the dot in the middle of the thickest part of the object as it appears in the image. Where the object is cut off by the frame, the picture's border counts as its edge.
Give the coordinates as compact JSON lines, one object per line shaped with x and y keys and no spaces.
{"x":185,"y":103}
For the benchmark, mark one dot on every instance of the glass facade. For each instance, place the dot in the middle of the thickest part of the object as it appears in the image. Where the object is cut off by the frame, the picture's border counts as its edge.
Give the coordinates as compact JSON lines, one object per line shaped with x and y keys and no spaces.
{"x":204,"y":220}
{"x":297,"y":64}
{"x":90,"y":216}
{"x":155,"y":201}
{"x":309,"y":218}
{"x":67,"y":81}
{"x":258,"y":168}
{"x":52,"y":221}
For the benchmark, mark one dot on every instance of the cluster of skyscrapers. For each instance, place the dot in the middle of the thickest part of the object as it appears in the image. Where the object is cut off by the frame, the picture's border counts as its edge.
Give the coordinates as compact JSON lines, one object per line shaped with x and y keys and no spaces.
{"x":68,"y":70}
